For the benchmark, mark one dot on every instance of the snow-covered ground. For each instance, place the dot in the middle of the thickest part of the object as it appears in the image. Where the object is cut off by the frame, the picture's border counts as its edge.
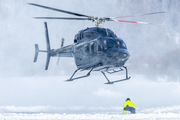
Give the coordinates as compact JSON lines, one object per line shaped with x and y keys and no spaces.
{"x":44,"y":116}
{"x":162,"y":113}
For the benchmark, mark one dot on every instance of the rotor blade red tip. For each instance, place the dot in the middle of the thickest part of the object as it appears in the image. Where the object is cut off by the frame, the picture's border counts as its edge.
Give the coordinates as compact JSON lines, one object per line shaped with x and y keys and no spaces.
{"x":127,"y":21}
{"x":133,"y":22}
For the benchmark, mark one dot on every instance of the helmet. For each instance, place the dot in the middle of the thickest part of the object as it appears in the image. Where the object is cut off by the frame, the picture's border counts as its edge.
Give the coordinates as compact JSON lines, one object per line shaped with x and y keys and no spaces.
{"x":128,"y":99}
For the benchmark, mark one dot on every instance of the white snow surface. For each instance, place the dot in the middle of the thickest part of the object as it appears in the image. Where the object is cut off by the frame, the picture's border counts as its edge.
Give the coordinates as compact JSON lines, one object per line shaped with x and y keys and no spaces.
{"x":161,"y":113}
{"x":42,"y":116}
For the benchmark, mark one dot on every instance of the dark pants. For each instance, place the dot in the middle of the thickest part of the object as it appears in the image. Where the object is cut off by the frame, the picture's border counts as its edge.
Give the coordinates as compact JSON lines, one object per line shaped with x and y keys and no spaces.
{"x":131,"y":109}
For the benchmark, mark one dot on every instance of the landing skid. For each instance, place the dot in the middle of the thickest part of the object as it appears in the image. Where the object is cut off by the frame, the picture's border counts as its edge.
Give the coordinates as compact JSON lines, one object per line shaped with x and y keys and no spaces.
{"x":88,"y":74}
{"x":109,"y":82}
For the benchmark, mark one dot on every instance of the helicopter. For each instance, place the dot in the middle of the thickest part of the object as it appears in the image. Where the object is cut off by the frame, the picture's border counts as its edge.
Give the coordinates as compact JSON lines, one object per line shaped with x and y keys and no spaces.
{"x":94,"y":49}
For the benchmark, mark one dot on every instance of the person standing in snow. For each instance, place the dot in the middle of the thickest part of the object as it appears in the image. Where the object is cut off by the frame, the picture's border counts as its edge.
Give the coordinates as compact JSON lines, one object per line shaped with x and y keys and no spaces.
{"x":128,"y":106}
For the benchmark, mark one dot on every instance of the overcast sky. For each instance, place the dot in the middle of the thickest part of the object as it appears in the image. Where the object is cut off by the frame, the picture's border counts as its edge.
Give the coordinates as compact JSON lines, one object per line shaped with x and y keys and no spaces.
{"x":153,"y":65}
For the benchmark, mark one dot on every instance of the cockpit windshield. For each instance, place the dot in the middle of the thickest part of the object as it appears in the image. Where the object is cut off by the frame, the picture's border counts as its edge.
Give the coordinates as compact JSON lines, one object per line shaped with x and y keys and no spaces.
{"x":110,"y":43}
{"x":120,"y":44}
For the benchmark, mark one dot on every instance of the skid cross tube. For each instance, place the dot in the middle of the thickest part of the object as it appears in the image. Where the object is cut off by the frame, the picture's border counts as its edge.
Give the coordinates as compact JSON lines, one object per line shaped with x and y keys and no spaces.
{"x":114,"y":71}
{"x":71,"y":79}
{"x":109,"y":82}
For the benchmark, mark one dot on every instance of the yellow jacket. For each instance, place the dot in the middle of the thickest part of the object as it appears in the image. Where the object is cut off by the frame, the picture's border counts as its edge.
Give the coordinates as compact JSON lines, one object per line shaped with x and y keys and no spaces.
{"x":129,"y":103}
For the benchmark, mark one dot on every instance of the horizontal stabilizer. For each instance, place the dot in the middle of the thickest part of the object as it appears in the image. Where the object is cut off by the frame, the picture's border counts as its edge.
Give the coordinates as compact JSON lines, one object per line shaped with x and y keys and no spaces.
{"x":36,"y":52}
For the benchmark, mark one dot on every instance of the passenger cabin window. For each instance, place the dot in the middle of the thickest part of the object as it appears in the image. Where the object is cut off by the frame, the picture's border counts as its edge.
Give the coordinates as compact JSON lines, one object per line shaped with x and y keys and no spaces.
{"x":86,"y":49}
{"x":78,"y":37}
{"x":92,"y":48}
{"x":97,"y":47}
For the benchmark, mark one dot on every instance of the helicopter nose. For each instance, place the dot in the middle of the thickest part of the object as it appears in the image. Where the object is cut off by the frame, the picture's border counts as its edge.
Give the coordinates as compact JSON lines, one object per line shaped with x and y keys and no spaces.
{"x":124,"y":54}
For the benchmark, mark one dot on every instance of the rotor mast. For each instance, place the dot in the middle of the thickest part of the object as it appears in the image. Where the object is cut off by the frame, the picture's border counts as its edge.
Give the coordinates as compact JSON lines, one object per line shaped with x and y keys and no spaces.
{"x":97,"y":20}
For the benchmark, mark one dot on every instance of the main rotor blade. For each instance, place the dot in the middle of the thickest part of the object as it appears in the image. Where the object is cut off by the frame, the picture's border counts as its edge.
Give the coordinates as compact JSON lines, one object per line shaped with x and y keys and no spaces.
{"x":139,"y":14}
{"x":59,"y":10}
{"x":134,"y":22}
{"x":66,"y":18}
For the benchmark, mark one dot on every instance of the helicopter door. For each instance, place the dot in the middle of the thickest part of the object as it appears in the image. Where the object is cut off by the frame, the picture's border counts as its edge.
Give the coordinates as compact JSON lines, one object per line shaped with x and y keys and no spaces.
{"x":78,"y":55}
